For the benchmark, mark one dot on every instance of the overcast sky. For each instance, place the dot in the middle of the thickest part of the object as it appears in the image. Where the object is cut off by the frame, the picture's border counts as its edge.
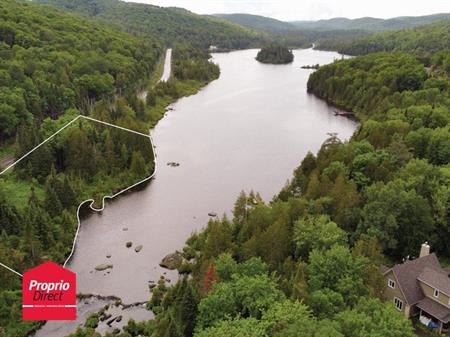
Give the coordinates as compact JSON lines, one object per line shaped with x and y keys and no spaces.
{"x":311,"y":9}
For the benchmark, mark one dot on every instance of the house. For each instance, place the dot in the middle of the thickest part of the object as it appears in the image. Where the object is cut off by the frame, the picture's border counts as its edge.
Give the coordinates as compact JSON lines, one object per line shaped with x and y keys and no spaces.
{"x":421,"y":287}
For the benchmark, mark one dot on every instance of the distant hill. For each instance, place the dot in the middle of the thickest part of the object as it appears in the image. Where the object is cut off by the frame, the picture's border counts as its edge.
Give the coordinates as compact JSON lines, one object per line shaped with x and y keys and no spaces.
{"x":169,"y":24}
{"x":258,"y":22}
{"x":371,"y":24}
{"x":422,"y":41}
{"x":336,"y":24}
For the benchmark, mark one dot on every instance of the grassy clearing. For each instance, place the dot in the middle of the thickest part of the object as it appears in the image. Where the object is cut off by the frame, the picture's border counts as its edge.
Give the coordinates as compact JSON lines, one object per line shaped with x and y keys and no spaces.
{"x":19,"y":191}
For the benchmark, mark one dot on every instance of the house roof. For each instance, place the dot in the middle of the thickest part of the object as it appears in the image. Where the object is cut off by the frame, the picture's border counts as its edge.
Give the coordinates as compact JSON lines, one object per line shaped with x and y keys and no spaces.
{"x":437,"y":279}
{"x":435,"y":309}
{"x":407,"y":275}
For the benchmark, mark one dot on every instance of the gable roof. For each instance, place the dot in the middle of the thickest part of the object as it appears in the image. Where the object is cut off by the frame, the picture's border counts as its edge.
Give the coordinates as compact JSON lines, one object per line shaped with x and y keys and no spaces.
{"x":407,"y":275}
{"x":435,"y":309}
{"x":437,"y":279}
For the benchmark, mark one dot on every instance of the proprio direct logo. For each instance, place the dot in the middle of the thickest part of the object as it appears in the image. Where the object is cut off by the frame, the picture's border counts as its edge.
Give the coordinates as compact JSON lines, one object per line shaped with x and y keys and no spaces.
{"x":49,"y":293}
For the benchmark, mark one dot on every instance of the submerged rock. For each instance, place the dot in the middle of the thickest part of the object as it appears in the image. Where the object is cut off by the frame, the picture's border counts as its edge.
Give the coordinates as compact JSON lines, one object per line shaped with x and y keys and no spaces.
{"x":129,"y":244}
{"x":103,"y":266}
{"x":172,"y":261}
{"x":138,"y":248}
{"x":105,"y":316}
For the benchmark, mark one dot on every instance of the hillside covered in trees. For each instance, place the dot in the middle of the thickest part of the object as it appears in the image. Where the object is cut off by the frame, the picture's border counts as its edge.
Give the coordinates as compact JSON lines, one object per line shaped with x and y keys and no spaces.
{"x":275,"y":54}
{"x":423,"y":41}
{"x":52,"y":62}
{"x":370,"y":24}
{"x":169,"y":24}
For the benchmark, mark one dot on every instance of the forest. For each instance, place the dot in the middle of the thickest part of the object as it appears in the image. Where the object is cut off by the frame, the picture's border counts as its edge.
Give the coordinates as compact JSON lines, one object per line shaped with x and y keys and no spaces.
{"x":275,"y":54}
{"x":423,"y":41}
{"x":53,"y":62}
{"x":169,"y":24}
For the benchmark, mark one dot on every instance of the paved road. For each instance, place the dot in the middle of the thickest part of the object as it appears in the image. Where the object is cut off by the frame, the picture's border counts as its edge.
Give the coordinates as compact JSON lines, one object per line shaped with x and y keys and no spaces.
{"x":167,"y":66}
{"x":164,"y":77}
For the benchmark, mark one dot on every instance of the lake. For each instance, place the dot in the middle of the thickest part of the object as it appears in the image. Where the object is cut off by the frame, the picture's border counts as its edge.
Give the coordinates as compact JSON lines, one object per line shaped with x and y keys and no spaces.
{"x":248,"y":130}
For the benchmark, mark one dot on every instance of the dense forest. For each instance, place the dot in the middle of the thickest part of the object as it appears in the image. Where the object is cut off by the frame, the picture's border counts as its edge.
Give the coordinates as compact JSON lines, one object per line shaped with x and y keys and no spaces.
{"x":370,"y":24}
{"x":275,"y":54}
{"x":169,"y":24}
{"x":367,"y":24}
{"x":423,"y":41}
{"x":52,"y":62}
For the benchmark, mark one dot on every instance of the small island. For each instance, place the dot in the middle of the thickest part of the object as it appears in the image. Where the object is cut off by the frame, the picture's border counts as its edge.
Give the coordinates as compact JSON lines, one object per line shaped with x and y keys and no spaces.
{"x":275,"y":54}
{"x":314,"y":66}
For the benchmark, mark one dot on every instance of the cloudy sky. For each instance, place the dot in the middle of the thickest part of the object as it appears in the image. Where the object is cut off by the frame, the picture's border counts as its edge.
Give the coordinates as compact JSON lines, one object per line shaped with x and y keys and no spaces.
{"x":311,"y":9}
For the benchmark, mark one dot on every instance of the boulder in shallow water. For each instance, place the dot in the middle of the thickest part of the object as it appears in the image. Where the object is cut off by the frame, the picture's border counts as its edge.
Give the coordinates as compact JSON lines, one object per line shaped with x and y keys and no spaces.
{"x":103,"y":266}
{"x":138,"y":248}
{"x":172,"y":261}
{"x":129,"y":244}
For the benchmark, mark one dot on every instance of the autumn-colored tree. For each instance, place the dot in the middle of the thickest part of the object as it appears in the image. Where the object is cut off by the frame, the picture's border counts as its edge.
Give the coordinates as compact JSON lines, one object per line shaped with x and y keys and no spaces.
{"x":211,"y":277}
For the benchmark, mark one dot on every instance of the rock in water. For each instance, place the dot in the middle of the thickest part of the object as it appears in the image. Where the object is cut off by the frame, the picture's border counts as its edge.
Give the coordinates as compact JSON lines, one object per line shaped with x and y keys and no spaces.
{"x":138,"y":248}
{"x":103,"y":266}
{"x":129,"y":244}
{"x":172,"y":261}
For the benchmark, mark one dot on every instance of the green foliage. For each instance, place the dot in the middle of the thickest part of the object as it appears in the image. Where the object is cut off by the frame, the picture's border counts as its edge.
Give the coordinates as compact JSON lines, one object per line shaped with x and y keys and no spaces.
{"x":53,"y":62}
{"x":421,"y":40}
{"x":275,"y":54}
{"x":169,"y":24}
{"x":372,"y":318}
{"x":243,"y":296}
{"x":336,"y":269}
{"x":317,"y":233}
{"x":11,"y":315}
{"x":239,"y":327}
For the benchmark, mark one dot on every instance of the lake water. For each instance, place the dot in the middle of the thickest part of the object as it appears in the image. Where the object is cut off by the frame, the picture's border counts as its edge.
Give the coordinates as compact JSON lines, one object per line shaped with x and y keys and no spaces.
{"x":246,"y":131}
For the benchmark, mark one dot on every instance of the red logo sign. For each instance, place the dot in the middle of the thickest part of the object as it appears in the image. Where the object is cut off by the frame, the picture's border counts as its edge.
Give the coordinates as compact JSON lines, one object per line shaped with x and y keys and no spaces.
{"x":49,"y":293}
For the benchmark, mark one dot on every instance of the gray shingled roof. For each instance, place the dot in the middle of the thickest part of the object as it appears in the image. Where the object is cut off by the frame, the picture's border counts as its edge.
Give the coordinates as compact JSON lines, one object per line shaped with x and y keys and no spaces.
{"x":437,"y":279}
{"x":408,"y":272}
{"x":435,"y":309}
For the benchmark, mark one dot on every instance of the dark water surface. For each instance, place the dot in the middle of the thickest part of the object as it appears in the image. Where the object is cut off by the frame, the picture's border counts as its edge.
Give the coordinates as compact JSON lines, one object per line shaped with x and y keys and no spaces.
{"x":248,"y":130}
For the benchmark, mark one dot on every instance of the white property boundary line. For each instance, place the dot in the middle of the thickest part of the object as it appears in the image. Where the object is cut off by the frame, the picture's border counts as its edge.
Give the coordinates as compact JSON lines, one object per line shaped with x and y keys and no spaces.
{"x":91,"y":201}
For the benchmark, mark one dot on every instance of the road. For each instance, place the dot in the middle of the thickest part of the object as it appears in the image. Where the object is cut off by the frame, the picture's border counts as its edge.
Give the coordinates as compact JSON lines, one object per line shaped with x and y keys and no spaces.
{"x":167,"y":66}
